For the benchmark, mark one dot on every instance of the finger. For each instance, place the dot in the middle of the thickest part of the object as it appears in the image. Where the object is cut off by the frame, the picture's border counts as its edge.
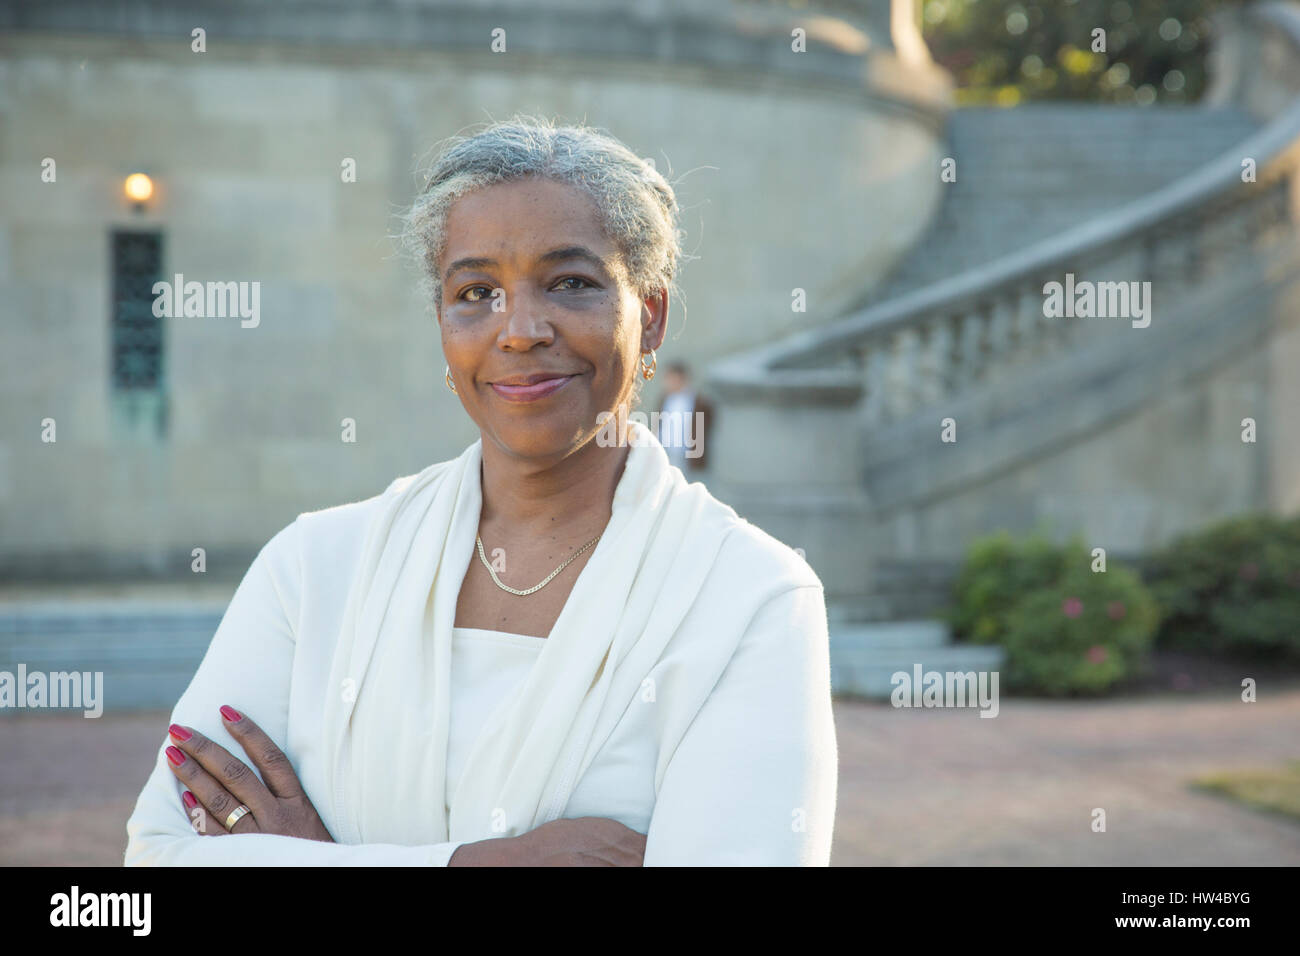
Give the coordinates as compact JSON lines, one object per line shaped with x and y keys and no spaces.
{"x":197,"y":813}
{"x":270,"y":761}
{"x":228,"y":770}
{"x":206,"y":824}
{"x":215,"y":800}
{"x":614,"y":855}
{"x":602,"y":857}
{"x":627,"y":847}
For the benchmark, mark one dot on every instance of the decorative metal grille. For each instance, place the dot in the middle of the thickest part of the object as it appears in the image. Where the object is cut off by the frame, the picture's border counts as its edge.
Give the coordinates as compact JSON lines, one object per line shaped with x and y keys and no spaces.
{"x":137,"y":340}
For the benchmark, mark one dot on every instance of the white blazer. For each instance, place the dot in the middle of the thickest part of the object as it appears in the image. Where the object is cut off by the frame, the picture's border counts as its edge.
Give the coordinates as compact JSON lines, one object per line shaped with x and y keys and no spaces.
{"x":685,"y":690}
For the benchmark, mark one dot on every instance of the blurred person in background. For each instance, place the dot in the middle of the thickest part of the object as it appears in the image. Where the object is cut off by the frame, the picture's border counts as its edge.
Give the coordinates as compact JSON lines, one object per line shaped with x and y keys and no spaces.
{"x":685,"y":417}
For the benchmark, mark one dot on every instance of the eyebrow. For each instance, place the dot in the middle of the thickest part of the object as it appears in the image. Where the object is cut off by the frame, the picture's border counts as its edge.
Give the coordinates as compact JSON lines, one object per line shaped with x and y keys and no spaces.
{"x":555,"y":255}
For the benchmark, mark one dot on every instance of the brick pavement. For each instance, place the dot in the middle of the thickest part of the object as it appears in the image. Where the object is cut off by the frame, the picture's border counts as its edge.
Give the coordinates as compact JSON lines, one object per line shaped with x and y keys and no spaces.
{"x":917,"y":787}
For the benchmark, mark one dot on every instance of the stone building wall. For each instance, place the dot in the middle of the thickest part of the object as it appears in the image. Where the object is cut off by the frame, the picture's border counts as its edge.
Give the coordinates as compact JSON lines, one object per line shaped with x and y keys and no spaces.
{"x":784,"y":163}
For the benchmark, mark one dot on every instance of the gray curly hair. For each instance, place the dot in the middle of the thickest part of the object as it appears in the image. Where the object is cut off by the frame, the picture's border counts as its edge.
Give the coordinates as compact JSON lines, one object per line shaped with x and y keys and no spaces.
{"x":638,"y":208}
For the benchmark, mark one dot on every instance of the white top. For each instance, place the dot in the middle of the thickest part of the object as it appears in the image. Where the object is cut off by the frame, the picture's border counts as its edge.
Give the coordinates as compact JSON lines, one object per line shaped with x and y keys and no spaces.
{"x":486,"y":666}
{"x":737,"y":770}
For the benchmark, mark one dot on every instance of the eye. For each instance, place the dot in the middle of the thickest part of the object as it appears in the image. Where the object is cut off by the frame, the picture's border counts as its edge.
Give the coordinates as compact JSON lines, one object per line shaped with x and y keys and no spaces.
{"x":486,"y":290}
{"x":585,"y":283}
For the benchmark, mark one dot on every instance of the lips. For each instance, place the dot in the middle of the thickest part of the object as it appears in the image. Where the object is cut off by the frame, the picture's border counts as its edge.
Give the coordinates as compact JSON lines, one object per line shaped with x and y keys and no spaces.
{"x":530,"y":388}
{"x":532,"y":379}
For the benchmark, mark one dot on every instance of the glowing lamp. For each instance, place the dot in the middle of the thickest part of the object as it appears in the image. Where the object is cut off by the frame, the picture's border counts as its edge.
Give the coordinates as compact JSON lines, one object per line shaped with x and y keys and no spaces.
{"x":138,"y":187}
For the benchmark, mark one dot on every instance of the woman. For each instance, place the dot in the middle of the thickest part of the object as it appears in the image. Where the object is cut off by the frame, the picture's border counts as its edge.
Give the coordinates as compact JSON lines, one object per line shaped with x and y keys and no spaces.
{"x":552,"y":649}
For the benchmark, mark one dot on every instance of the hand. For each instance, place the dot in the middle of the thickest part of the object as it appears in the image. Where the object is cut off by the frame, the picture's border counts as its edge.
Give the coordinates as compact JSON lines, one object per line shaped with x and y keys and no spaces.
{"x":218,"y":782}
{"x":586,"y":841}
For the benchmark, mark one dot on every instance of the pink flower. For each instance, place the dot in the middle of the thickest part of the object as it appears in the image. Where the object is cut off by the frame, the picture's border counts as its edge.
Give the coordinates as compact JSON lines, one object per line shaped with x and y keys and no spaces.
{"x":1115,"y":609}
{"x":1072,"y":607}
{"x":1096,"y":654}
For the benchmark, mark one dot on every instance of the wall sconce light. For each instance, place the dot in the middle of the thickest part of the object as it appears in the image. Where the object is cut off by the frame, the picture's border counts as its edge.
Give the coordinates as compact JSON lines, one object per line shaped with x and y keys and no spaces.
{"x":138,"y":189}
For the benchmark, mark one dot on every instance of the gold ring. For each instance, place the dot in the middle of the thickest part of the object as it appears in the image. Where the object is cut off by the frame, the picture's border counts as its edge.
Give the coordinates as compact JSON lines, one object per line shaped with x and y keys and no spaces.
{"x":235,"y":816}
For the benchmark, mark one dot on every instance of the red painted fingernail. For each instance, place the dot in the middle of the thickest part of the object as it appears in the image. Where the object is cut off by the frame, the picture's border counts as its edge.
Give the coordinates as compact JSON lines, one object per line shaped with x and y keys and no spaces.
{"x":175,"y":756}
{"x":189,"y":800}
{"x":230,"y":713}
{"x":179,"y":732}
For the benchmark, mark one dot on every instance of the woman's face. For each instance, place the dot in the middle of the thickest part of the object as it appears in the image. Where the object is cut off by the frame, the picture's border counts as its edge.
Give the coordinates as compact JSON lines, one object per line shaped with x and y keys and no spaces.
{"x":532,"y":287}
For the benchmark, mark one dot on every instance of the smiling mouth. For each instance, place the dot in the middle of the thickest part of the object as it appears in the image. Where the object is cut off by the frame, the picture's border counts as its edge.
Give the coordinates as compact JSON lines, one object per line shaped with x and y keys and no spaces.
{"x":533,"y":392}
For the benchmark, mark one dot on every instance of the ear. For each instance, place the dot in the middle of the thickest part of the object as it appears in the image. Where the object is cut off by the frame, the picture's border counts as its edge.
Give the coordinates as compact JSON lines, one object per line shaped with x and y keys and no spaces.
{"x":654,"y":319}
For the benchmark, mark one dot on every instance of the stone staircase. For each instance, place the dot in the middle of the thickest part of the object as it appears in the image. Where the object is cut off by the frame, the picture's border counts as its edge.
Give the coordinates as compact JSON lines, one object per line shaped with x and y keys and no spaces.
{"x":1035,"y":171}
{"x":960,"y":331}
{"x":1071,"y":162}
{"x":866,"y":655}
{"x":896,"y":626}
{"x":147,"y":650}
{"x":899,"y":590}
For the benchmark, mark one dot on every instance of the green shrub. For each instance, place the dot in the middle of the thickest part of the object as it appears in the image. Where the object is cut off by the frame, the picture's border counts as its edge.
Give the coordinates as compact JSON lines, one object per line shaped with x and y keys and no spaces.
{"x":1065,"y":628}
{"x":1082,"y":634}
{"x":1234,"y":587}
{"x":997,"y":572}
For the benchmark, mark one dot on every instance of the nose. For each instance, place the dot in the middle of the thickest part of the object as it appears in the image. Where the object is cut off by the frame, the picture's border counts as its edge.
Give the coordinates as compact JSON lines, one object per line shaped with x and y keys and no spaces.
{"x":525,"y":324}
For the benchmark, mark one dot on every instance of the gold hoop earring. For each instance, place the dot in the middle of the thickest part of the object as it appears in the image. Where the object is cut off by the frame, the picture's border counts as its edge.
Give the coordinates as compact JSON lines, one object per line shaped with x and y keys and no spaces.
{"x":447,"y":378}
{"x":648,"y":371}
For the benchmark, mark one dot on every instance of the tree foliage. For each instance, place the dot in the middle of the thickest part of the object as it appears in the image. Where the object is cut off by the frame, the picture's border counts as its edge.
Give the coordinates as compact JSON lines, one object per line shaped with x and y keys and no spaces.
{"x":1007,"y":51}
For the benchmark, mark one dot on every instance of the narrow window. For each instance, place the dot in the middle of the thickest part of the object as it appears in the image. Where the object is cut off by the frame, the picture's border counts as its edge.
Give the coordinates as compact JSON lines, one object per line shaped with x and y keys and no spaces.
{"x":137,"y":372}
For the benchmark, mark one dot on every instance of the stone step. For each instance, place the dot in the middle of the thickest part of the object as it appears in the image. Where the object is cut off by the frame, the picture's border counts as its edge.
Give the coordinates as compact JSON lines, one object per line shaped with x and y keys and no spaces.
{"x":866,"y":656}
{"x":888,"y":606}
{"x":147,"y":651}
{"x":869,"y":673}
{"x":889,"y":636}
{"x":148,"y":654}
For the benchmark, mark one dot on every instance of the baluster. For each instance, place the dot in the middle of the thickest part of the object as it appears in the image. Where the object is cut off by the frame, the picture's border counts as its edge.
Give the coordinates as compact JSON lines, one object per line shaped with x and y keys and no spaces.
{"x":935,"y":361}
{"x":1228,"y":238}
{"x":1199,"y":252}
{"x":1281,"y":205}
{"x":970,"y":359}
{"x":1165,"y":255}
{"x":1055,"y":330}
{"x":1239,"y":231}
{"x":1263,"y":217}
{"x":902,"y":374}
{"x":999,"y":330}
{"x":1150,"y":245}
{"x":1015,"y":305}
{"x":1029,"y":320}
{"x":1187,"y":246}
{"x":1215,"y":238}
{"x":1277,"y":218}
{"x":875,"y":369}
{"x":1069,"y":326}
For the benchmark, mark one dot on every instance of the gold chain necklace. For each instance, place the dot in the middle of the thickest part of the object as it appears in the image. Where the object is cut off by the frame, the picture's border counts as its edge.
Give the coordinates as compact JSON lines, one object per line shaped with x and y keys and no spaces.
{"x":536,"y":587}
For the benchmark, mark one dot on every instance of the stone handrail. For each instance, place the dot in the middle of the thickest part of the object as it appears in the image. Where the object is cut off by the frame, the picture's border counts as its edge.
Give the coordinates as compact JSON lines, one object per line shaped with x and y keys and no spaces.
{"x":897,"y":357}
